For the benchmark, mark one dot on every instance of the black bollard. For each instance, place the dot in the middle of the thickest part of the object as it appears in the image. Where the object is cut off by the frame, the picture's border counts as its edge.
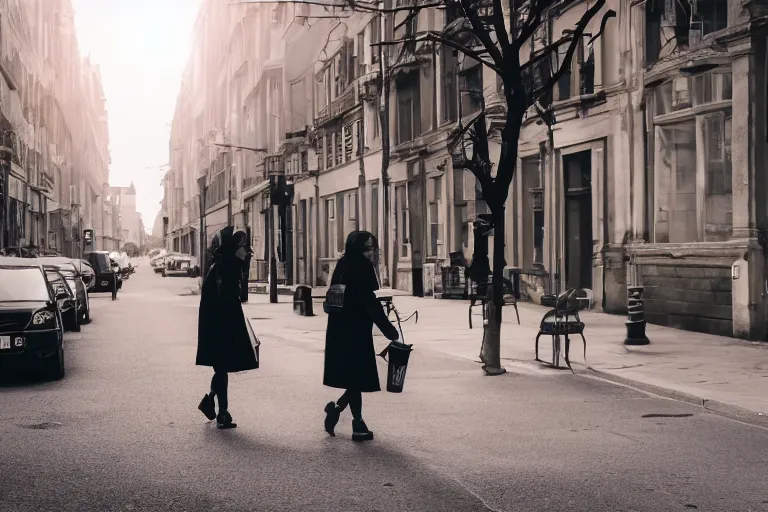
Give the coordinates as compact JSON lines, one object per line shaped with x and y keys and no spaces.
{"x":302,"y":301}
{"x":636,"y":322}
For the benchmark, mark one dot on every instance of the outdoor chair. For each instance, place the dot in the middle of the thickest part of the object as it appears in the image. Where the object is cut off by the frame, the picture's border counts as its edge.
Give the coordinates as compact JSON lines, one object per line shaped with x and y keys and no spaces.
{"x":478,"y":292}
{"x":563,"y":321}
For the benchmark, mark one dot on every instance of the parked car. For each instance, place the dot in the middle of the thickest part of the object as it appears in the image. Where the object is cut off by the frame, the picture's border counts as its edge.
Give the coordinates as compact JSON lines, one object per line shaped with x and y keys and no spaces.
{"x":178,"y":265}
{"x":73,"y":275}
{"x":105,"y":272}
{"x":87,"y":274}
{"x":67,"y":305}
{"x":31,"y":327}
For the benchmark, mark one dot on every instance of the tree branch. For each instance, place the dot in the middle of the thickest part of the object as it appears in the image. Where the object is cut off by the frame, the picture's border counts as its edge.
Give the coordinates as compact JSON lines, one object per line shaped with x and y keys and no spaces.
{"x":481,"y":33}
{"x":568,"y":59}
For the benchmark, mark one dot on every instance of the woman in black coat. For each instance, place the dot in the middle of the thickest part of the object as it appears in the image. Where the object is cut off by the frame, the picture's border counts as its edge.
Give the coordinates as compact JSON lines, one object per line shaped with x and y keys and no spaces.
{"x":223,"y":339}
{"x":350,"y":358}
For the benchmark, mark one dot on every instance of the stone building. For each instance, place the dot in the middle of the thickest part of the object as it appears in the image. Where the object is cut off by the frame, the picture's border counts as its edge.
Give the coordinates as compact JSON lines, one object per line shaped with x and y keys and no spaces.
{"x":54,"y":130}
{"x":636,"y":182}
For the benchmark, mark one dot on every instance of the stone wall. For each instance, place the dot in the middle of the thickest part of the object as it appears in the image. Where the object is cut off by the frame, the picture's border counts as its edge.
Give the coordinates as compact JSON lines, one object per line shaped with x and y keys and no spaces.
{"x":695,"y":298}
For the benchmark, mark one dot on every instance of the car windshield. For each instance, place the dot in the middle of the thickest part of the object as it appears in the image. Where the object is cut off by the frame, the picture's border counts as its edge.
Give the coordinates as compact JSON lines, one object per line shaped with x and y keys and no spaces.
{"x":22,"y":284}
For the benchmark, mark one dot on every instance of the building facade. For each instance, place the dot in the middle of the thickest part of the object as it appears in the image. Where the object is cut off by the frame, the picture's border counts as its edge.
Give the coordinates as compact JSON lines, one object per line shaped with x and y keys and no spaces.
{"x":55,"y":137}
{"x":650,"y":171}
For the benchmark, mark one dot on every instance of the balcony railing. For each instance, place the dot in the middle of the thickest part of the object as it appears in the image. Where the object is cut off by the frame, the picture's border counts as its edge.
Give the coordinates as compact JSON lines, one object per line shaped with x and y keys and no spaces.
{"x":348,"y":99}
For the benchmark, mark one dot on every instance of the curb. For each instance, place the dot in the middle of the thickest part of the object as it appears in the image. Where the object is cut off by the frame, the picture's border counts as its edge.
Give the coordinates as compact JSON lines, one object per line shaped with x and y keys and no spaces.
{"x":715,"y":406}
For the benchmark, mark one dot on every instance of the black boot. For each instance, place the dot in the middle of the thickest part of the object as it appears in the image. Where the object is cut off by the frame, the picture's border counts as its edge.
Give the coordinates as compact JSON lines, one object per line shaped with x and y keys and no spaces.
{"x":360,"y":431}
{"x":224,"y":420}
{"x":208,"y":407}
{"x":332,"y":413}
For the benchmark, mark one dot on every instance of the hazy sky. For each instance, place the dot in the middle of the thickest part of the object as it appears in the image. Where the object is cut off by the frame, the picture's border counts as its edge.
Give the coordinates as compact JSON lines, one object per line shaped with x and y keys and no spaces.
{"x":141,"y":47}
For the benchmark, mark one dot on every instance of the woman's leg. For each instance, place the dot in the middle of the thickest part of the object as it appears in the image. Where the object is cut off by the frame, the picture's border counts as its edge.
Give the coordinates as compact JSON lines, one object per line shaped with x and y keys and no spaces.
{"x":355,"y":404}
{"x":343,"y":401}
{"x":219,"y":385}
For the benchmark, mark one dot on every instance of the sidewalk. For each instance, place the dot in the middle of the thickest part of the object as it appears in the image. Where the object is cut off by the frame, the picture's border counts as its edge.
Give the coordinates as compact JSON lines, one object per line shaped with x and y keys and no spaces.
{"x":722,"y":374}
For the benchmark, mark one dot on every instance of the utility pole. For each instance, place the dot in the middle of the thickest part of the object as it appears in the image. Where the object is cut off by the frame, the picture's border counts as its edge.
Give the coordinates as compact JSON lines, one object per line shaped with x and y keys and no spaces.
{"x":385,"y":147}
{"x":272,"y":258}
{"x":203,"y":249}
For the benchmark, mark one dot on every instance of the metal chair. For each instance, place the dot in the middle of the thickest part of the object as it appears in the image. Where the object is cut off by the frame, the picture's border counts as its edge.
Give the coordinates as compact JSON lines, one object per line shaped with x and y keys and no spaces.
{"x":563,"y":321}
{"x":479,"y":292}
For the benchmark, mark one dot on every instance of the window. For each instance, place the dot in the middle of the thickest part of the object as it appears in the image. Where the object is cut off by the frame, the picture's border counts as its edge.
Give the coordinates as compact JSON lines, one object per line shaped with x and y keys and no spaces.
{"x":375,"y":30}
{"x":676,"y":174}
{"x":450,"y":93}
{"x":348,"y":144}
{"x":352,"y":206}
{"x":401,"y":228}
{"x":434,"y":216}
{"x":339,"y":154}
{"x":329,"y":235}
{"x":328,"y":150}
{"x":361,"y":68}
{"x":375,"y":208}
{"x":408,"y":108}
{"x":673,"y":25}
{"x":471,"y":90}
{"x":532,"y":212}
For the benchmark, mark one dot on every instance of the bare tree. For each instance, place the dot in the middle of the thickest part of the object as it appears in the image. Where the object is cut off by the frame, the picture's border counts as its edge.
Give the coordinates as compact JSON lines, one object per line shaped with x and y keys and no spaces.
{"x":493,"y":33}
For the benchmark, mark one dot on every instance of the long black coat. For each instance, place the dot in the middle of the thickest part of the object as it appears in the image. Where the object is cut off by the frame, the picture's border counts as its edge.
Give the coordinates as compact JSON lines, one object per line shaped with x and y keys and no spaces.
{"x":223,"y":340}
{"x":350,"y":357}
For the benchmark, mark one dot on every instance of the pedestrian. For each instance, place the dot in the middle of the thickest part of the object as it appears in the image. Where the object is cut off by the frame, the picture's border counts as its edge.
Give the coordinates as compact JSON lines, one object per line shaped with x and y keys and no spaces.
{"x":350,"y":358}
{"x":223,"y":340}
{"x":114,"y":284}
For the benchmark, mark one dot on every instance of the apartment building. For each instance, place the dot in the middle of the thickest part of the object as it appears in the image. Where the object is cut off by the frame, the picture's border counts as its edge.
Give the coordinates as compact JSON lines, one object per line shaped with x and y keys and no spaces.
{"x":634,"y":181}
{"x":54,"y":130}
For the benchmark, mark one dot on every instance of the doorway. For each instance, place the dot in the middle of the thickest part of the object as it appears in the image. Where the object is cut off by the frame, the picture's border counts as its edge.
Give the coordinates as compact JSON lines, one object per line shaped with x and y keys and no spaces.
{"x":577,"y":174}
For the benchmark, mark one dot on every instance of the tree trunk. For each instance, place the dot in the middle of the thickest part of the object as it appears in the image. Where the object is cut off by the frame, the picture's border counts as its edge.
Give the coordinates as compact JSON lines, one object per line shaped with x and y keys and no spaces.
{"x":490,"y":354}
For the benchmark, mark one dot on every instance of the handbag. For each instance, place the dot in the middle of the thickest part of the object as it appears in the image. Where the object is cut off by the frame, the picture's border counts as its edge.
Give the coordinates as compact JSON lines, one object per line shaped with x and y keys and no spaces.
{"x":334,"y":299}
{"x":255,"y":342}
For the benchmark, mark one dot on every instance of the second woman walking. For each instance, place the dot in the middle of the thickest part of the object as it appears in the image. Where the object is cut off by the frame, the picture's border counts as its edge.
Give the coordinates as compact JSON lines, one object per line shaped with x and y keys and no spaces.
{"x":350,"y":357}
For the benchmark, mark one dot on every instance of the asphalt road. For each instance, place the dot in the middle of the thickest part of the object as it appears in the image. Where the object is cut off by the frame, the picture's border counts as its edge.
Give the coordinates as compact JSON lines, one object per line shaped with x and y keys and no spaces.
{"x":122,"y":432}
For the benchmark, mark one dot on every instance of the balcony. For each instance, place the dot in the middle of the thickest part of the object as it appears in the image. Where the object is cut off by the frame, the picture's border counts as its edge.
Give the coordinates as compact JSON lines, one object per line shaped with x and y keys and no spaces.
{"x":348,"y":100}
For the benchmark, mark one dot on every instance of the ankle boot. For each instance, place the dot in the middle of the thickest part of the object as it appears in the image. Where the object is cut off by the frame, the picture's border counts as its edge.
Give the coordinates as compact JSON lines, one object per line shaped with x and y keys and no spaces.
{"x":224,"y":420}
{"x":332,"y":413}
{"x":360,"y":431}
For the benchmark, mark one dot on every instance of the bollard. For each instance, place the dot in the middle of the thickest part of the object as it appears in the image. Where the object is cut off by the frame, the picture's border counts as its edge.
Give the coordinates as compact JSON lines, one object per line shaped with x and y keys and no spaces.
{"x":302,"y":301}
{"x":636,"y":321}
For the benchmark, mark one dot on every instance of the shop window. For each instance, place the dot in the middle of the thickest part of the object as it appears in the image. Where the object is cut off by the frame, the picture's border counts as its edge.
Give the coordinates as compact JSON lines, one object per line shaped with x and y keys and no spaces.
{"x":718,"y":197}
{"x":676,"y":183}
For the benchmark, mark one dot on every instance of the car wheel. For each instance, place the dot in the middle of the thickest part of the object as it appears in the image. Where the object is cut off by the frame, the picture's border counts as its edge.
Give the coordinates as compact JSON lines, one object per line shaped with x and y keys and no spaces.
{"x":54,"y":366}
{"x":165,"y":274}
{"x":87,"y":316}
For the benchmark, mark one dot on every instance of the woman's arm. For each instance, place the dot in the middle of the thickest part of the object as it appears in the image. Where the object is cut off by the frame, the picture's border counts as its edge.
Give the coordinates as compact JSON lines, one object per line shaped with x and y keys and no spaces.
{"x":376,"y":311}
